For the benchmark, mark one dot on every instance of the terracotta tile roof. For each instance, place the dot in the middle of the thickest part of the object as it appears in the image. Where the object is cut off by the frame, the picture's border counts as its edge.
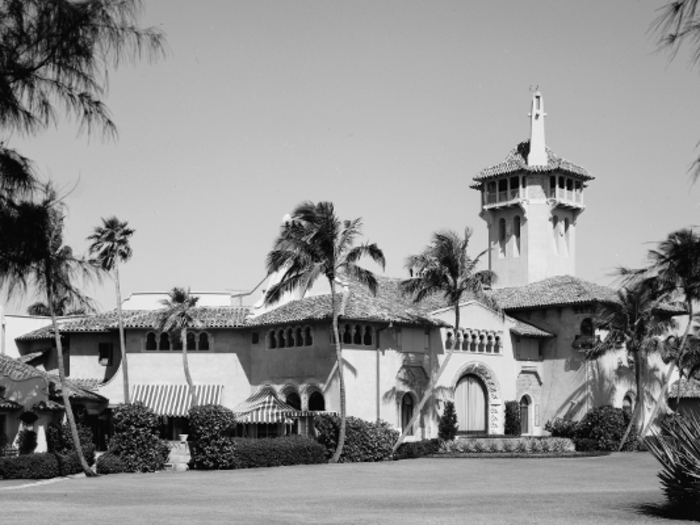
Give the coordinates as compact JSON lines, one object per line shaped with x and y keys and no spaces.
{"x":6,"y":404}
{"x":77,"y":388}
{"x":389,"y":305}
{"x":527,"y":330}
{"x":516,"y":161}
{"x":689,"y":390}
{"x":210,"y":316}
{"x":554,"y":291}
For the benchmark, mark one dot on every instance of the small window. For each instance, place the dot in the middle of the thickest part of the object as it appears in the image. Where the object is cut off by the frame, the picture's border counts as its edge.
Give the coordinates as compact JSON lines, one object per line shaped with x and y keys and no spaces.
{"x":308,"y":337}
{"x":106,"y":351}
{"x":367,"y":339}
{"x":627,"y":404}
{"x":176,"y":343}
{"x":273,"y":340}
{"x":290,"y":338}
{"x":357,"y":336}
{"x":299,"y":338}
{"x":347,"y":335}
{"x":293,"y":400}
{"x":164,"y":342}
{"x":587,"y":327}
{"x":502,"y":238}
{"x":151,"y":343}
{"x":282,"y":342}
{"x":204,"y":341}
{"x":406,"y":413}
{"x":255,"y":338}
{"x":191,"y":343}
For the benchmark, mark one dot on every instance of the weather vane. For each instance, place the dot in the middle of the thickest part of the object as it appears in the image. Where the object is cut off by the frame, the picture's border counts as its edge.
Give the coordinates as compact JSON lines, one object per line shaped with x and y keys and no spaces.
{"x":537,"y":88}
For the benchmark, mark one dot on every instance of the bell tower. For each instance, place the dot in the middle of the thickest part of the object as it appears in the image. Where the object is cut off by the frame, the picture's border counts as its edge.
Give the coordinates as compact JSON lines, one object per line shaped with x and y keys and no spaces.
{"x":531,"y":203}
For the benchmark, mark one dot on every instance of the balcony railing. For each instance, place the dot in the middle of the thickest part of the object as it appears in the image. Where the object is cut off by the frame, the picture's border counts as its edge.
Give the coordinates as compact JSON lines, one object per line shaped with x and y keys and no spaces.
{"x":566,"y":195}
{"x":502,"y":196}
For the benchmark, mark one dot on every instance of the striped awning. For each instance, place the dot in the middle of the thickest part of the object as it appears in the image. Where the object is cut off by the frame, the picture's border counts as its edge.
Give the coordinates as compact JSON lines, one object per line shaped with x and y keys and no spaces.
{"x":265,"y":406}
{"x":175,"y":400}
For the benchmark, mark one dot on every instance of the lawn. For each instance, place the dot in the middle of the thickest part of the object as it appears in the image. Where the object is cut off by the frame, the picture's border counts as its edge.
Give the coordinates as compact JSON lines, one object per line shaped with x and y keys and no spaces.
{"x":621,"y":488}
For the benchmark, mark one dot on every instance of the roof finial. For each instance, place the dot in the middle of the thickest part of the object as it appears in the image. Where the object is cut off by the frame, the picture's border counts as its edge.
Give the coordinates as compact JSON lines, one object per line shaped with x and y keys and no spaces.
{"x":538,"y":153}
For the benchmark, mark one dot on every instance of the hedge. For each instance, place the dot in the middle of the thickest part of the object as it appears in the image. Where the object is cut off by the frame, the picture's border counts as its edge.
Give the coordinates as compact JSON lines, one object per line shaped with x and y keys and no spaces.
{"x":31,"y":466}
{"x":364,"y":441}
{"x":522,"y":445}
{"x":109,"y":463}
{"x":417,"y":449}
{"x":211,"y":429}
{"x":276,"y":452}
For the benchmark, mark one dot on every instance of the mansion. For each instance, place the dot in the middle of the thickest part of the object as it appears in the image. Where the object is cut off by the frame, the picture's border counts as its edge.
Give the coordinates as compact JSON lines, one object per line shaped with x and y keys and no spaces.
{"x":275,"y":365}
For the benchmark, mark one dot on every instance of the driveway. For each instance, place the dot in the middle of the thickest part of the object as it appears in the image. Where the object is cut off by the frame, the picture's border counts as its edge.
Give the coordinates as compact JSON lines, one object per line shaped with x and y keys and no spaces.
{"x":621,"y":488}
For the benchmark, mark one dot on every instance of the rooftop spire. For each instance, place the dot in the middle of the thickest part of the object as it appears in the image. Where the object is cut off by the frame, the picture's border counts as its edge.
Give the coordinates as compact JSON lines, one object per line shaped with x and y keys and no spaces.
{"x":537,"y":155}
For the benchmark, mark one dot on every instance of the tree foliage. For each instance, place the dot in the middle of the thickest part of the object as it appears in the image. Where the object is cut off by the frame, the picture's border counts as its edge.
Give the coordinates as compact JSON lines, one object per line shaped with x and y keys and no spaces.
{"x":315,"y":243}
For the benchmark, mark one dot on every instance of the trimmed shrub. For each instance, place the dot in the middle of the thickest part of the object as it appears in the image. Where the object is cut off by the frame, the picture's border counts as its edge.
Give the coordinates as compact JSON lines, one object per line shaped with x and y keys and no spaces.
{"x":60,"y":440}
{"x":276,"y":452}
{"x":522,"y":445}
{"x":417,"y":449}
{"x":26,"y":442}
{"x":606,"y":425}
{"x":512,"y":419}
{"x":109,"y":463}
{"x":677,"y":448}
{"x":564,"y":428}
{"x":31,"y":466}
{"x":211,"y":429}
{"x":135,"y":439}
{"x":364,"y":441}
{"x":447,"y":428}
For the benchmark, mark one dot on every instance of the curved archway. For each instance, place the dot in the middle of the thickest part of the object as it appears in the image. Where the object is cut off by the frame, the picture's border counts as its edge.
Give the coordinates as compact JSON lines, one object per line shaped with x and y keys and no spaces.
{"x":407,"y":405}
{"x":316,"y":401}
{"x":525,"y":427}
{"x":490,"y":382}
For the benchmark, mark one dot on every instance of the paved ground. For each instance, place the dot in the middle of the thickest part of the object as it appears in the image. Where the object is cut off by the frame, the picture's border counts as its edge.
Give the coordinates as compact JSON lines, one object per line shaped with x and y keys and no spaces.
{"x":621,"y":488}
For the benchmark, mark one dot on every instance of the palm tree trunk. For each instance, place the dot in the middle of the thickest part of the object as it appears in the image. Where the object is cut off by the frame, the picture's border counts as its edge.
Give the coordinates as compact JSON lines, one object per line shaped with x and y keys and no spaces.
{"x":186,"y":366}
{"x":120,"y":321}
{"x":341,"y":377}
{"x":681,"y":350}
{"x":639,"y":360}
{"x":433,"y":382}
{"x":62,"y":377}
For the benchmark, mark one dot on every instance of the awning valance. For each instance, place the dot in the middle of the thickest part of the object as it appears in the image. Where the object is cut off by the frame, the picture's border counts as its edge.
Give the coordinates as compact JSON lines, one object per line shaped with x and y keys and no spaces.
{"x":175,"y":400}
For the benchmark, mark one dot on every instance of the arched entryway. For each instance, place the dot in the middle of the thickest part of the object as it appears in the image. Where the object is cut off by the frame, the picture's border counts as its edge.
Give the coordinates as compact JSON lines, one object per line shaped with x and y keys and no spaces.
{"x":407,"y":405}
{"x":525,"y":415}
{"x":471,"y":404}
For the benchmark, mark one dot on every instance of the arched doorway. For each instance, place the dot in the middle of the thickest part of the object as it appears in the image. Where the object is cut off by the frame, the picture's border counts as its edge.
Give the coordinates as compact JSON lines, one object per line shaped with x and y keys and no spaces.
{"x":525,"y":415}
{"x":471,"y":405}
{"x":406,"y":412}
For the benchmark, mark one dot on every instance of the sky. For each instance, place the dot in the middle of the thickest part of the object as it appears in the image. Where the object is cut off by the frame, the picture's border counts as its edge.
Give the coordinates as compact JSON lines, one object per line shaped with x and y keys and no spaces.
{"x":386,"y":108}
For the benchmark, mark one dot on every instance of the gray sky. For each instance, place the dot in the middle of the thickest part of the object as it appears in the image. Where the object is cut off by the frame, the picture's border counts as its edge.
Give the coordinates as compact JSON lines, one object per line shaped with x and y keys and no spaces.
{"x":387,"y":109}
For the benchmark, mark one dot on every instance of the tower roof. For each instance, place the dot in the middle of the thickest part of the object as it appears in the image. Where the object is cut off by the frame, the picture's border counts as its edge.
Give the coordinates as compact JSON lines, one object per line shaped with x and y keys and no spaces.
{"x":516,"y":161}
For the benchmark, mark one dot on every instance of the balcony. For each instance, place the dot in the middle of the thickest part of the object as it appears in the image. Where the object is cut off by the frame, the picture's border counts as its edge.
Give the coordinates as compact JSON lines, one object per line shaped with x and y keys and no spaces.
{"x":571,"y":197}
{"x":502,"y":197}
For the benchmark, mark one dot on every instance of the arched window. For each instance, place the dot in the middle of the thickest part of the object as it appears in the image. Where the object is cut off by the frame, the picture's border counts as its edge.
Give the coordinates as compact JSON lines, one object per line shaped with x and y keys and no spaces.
{"x":471,"y":404}
{"x":299,"y":339}
{"x":281,"y":342}
{"x":566,"y":237}
{"x":502,"y":238}
{"x":516,"y":235}
{"x":191,"y":342}
{"x":628,"y":404}
{"x":204,"y":341}
{"x":290,"y":338}
{"x":367,"y":339}
{"x":293,"y":400}
{"x":561,"y":182}
{"x":176,"y":342}
{"x":151,"y":343}
{"x":555,"y":234}
{"x":448,"y":341}
{"x":587,"y":327}
{"x":308,"y":338}
{"x":347,"y":335}
{"x":406,"y":412}
{"x":552,"y":186}
{"x":357,"y":336}
{"x":316,"y":402}
{"x":525,"y":415}
{"x":273,"y":340}
{"x":164,"y":343}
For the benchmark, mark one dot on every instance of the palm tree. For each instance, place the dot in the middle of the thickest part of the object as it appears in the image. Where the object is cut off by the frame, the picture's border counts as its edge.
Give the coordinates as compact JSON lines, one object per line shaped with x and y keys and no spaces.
{"x":110,"y":245}
{"x":176,"y":318}
{"x":676,"y":266}
{"x":52,"y":272}
{"x":444,"y":268}
{"x":315,"y":243}
{"x":636,"y":323}
{"x":62,"y":308}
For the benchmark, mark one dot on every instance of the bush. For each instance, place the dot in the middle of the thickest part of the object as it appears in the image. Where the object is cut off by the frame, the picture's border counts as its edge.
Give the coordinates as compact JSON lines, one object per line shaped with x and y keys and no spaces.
{"x":276,"y":452}
{"x":564,"y":428}
{"x":135,"y":439}
{"x":364,"y":441}
{"x":211,"y":429}
{"x":109,"y":463}
{"x":512,"y":419}
{"x":447,"y":428}
{"x":606,"y":425}
{"x":26,"y":442}
{"x":677,"y":448}
{"x":31,"y":466}
{"x":417,"y":449}
{"x":59,"y":438}
{"x":521,"y":445}
{"x":68,"y":462}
